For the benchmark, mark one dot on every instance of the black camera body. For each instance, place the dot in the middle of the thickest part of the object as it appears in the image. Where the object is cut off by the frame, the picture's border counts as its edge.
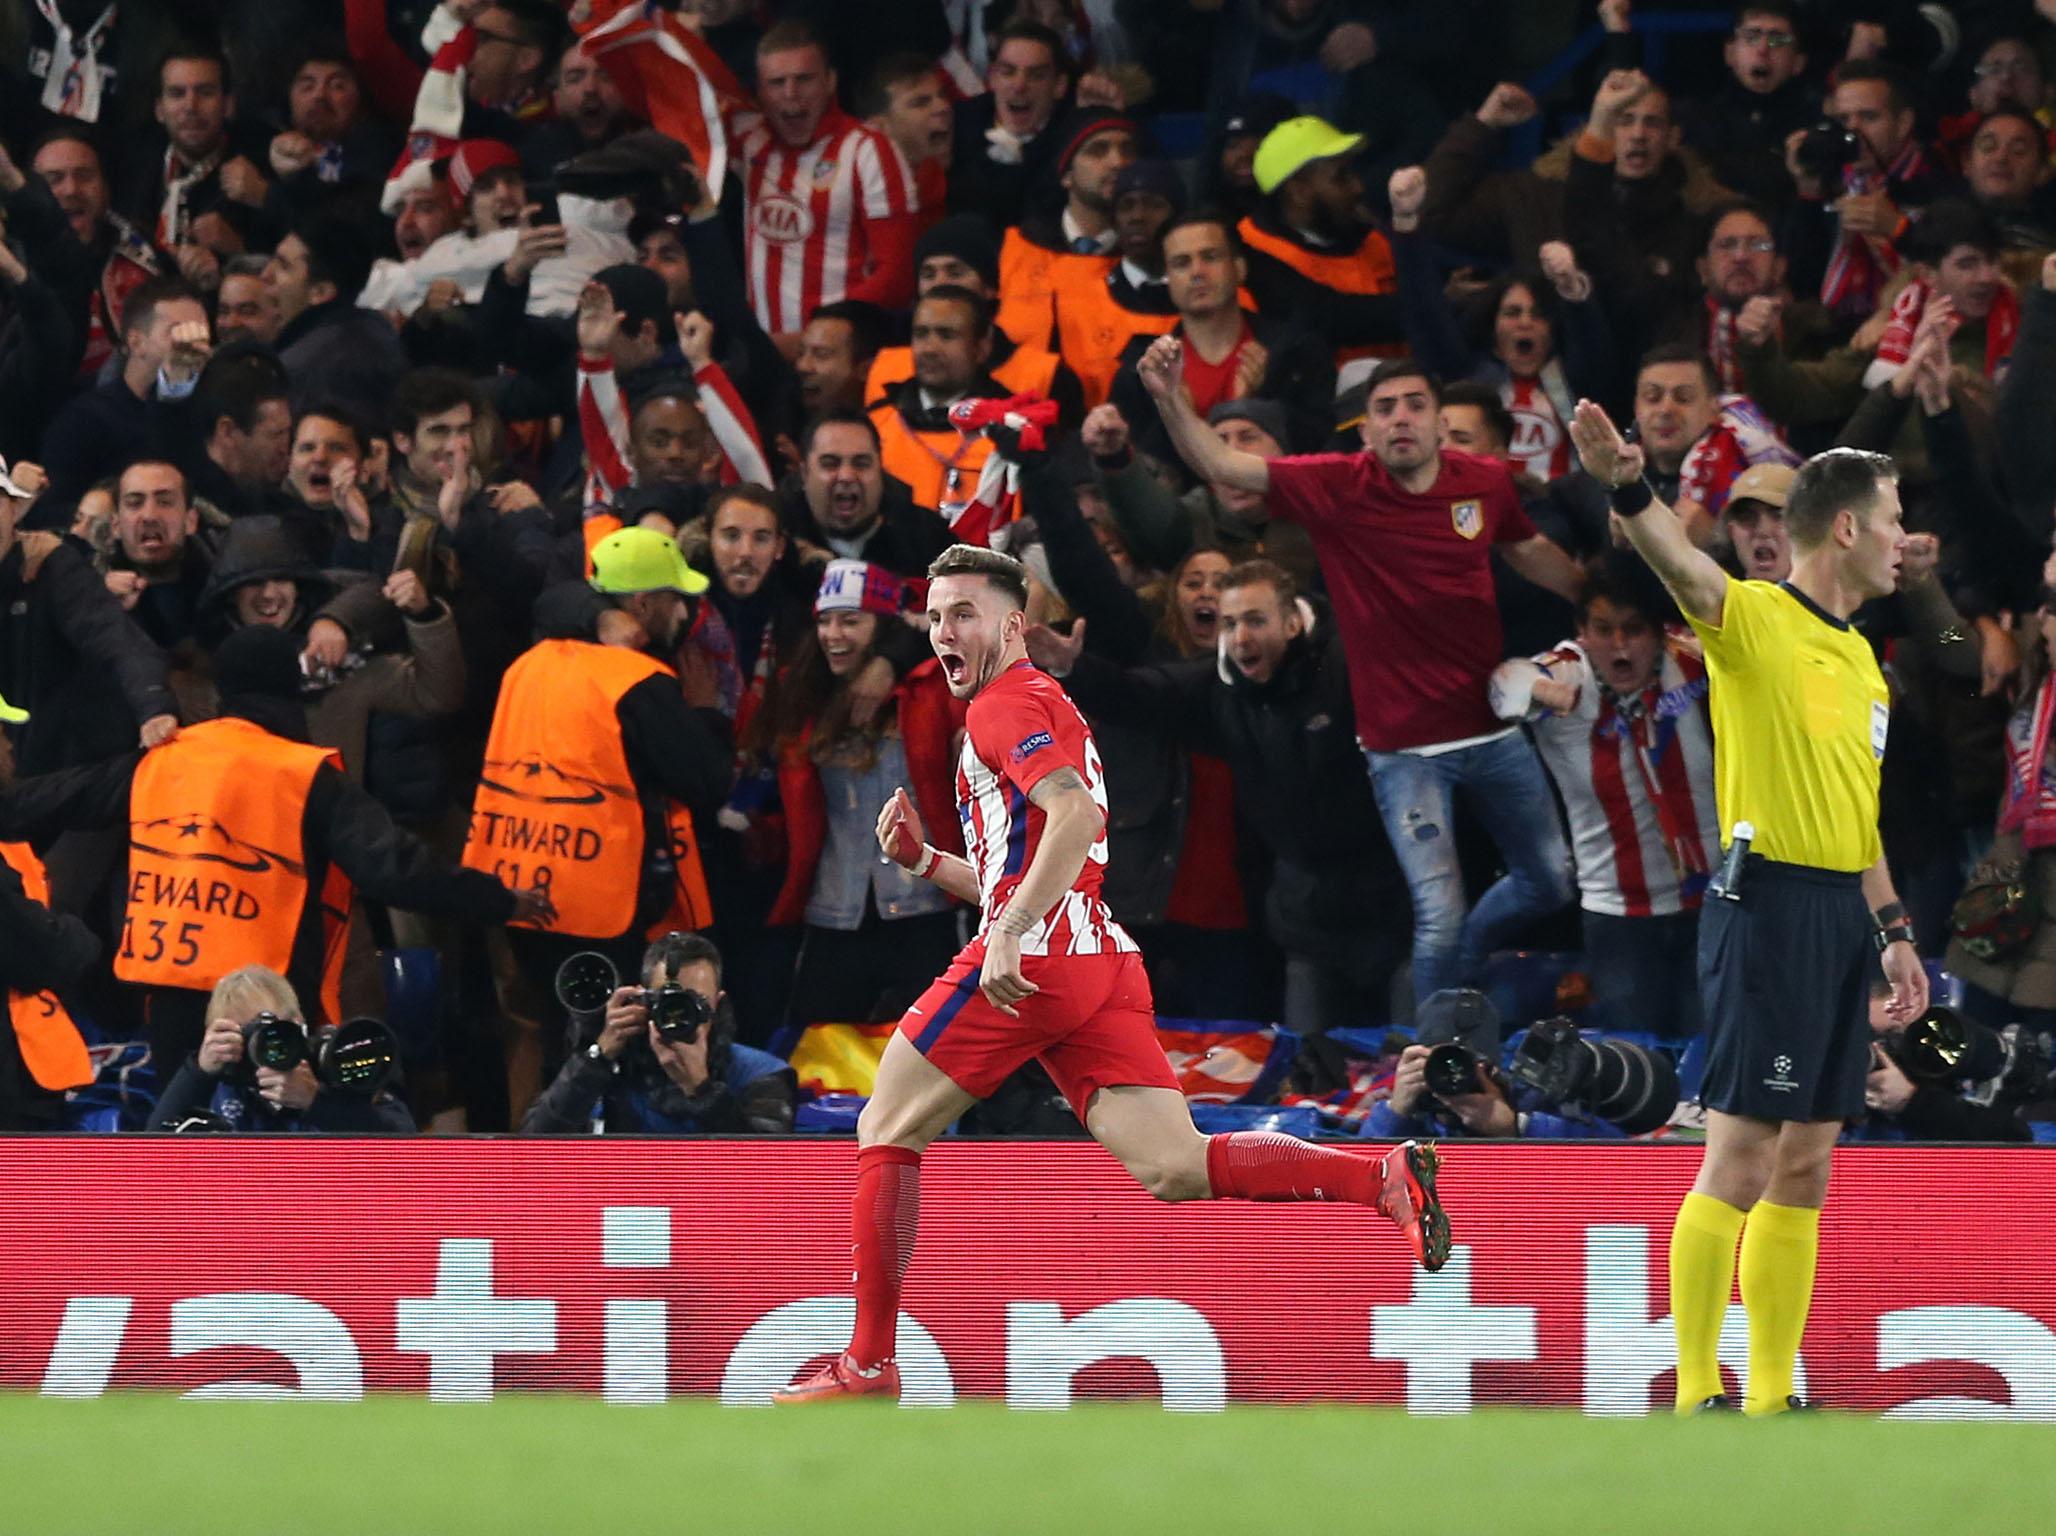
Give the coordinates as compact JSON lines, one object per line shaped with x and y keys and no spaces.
{"x":1628,"y":1085}
{"x":357,"y":1057}
{"x":678,"y":1012}
{"x":589,"y":978}
{"x":1827,"y":151}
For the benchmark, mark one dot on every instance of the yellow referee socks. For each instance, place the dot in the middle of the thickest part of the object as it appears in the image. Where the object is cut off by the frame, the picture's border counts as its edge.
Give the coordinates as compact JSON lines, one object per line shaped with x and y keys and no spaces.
{"x":1780,"y":1248}
{"x":1702,"y":1276}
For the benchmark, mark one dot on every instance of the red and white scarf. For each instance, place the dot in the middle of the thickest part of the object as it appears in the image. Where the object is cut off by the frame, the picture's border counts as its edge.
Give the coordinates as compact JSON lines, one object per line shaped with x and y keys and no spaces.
{"x":2002,"y":325}
{"x":1857,"y":271}
{"x":996,"y":503}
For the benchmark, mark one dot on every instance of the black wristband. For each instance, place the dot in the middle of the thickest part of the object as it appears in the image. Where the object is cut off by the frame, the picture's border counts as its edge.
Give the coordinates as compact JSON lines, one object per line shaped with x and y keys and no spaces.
{"x":1891,"y":912}
{"x":1900,"y":932}
{"x":1632,"y":499}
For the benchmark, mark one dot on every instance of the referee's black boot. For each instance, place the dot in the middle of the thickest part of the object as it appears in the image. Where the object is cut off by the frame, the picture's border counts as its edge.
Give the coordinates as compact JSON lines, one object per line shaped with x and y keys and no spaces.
{"x":1720,"y":1402}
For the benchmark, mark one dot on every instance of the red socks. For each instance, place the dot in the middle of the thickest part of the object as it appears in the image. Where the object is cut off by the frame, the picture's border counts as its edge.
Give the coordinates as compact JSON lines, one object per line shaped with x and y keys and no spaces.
{"x":886,"y":1212}
{"x":1267,"y":1165}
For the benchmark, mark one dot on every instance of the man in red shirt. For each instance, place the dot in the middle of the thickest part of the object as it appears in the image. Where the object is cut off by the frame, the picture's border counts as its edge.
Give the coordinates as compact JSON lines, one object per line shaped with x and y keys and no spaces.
{"x":1404,"y":534}
{"x":831,"y":205}
{"x":1050,"y":975}
{"x":1231,"y":353}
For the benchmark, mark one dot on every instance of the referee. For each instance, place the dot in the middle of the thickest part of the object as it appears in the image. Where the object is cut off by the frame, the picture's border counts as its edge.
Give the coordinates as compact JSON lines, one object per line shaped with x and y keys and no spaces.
{"x":1794,"y":926}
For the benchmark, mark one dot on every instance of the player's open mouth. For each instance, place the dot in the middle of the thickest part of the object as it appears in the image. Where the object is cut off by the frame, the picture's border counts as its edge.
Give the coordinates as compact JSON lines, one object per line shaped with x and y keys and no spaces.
{"x":954,"y":668}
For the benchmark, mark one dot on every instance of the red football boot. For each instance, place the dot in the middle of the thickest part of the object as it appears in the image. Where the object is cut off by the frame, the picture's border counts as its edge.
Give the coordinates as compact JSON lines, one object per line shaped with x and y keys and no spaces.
{"x":843,"y":1377}
{"x":1409,"y":1199}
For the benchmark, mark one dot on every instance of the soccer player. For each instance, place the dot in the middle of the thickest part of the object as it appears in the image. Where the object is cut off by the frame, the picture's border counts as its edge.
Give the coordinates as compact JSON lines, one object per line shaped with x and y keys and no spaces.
{"x":1791,"y":934}
{"x":1050,"y":975}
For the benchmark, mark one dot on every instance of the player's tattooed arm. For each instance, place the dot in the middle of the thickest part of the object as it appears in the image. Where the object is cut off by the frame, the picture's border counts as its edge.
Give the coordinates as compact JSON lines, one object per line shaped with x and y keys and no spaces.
{"x":1072,"y":822}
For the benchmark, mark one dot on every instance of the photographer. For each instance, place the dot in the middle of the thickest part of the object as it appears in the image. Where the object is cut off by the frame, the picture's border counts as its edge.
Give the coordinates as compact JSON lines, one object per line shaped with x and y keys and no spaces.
{"x":666,"y":1061}
{"x":1945,"y":1078}
{"x":1449,"y":1083}
{"x":219,"y":1088}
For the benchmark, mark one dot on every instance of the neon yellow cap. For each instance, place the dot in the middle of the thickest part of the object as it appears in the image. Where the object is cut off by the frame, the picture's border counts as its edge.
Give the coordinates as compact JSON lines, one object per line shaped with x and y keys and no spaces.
{"x":9,"y":715}
{"x":1295,"y":144}
{"x":643,"y":560}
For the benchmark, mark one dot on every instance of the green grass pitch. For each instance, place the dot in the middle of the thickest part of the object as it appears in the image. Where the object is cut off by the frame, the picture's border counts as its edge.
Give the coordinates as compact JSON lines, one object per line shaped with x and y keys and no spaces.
{"x":536,"y":1466}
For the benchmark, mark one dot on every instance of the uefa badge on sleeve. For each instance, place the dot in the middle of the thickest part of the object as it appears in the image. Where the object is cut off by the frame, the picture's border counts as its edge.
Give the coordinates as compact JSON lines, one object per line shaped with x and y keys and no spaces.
{"x":1467,"y":517}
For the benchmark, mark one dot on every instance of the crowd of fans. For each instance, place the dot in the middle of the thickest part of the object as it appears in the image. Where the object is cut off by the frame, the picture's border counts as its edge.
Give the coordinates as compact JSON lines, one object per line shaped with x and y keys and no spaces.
{"x":474,"y":468}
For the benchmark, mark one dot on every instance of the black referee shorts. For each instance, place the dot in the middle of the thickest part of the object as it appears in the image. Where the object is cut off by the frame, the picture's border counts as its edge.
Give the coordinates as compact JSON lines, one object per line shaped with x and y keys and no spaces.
{"x":1784,"y":975}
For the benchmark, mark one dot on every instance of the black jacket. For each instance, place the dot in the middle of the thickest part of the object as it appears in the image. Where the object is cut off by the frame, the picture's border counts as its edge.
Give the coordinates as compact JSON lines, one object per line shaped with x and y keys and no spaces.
{"x":1342,"y":319}
{"x":341,"y":824}
{"x":336,"y":351}
{"x":1741,"y":135}
{"x":68,"y":655}
{"x":1299,"y":374}
{"x":192,"y":1092}
{"x":905,"y":539}
{"x":40,"y":948}
{"x":1300,"y":782}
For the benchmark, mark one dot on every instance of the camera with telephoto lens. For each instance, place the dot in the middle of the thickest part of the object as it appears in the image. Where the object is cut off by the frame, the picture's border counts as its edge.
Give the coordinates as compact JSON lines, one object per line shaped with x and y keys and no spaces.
{"x":588,"y":979}
{"x":1627,"y":1085}
{"x":1942,"y":1047}
{"x":1452,"y":1071}
{"x":357,"y":1057}
{"x":1827,"y":151}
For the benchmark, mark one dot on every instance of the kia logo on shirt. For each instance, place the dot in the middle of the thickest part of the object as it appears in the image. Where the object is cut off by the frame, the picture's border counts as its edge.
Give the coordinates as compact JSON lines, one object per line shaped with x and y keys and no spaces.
{"x":783,"y":219}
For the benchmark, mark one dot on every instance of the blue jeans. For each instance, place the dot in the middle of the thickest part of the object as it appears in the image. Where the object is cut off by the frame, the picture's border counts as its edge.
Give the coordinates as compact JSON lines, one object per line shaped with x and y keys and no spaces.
{"x":1510,"y":795}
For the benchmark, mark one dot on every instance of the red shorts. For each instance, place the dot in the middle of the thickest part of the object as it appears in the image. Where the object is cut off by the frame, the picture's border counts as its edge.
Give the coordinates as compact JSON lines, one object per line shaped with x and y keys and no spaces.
{"x":1092,"y":1026}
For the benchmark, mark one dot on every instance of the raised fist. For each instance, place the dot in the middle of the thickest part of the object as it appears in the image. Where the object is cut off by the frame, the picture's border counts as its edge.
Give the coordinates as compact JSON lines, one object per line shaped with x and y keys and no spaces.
{"x":1508,"y":106}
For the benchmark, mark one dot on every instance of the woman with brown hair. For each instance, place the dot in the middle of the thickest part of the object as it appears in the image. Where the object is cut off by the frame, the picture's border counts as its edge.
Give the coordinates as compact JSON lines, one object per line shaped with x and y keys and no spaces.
{"x":873,"y":935}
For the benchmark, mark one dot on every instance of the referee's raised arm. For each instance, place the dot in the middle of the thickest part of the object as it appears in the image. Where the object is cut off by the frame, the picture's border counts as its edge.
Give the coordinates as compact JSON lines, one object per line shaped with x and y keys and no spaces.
{"x":1658,"y":534}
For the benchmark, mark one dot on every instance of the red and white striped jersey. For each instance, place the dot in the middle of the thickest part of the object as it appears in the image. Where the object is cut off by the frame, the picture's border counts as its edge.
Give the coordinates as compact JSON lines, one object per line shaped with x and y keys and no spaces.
{"x":809,"y":212}
{"x":603,"y":425}
{"x":1636,"y":776}
{"x":1020,"y":729}
{"x":1540,"y":444}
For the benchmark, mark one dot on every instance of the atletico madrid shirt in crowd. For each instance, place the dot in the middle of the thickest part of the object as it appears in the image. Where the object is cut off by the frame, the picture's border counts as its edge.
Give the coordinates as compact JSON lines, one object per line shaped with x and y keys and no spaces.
{"x":810,"y":211}
{"x":1411,"y":579}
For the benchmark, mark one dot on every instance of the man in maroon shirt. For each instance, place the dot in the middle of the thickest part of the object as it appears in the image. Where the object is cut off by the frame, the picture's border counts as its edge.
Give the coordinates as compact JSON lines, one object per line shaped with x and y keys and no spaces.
{"x":1404,"y":534}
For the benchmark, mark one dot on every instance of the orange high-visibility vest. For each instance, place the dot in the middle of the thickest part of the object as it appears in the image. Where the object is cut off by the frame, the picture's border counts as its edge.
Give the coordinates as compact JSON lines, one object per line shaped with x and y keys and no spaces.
{"x":1367,"y":269}
{"x":940,"y":468}
{"x":1027,"y":371}
{"x":691,"y":907}
{"x":49,"y":1042}
{"x":556,"y":805}
{"x":1092,"y":329}
{"x":1028,"y":275}
{"x":218,"y":864}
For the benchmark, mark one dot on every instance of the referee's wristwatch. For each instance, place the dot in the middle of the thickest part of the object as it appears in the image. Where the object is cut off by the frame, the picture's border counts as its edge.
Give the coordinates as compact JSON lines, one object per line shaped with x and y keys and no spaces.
{"x":1894,"y":926}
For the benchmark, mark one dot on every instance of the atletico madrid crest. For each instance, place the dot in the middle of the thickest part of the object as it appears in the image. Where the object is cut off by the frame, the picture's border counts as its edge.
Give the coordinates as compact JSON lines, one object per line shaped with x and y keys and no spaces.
{"x":1467,"y":517}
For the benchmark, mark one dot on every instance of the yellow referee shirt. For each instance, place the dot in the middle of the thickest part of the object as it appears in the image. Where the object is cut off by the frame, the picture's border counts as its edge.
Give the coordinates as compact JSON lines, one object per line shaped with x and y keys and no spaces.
{"x":1800,"y":713}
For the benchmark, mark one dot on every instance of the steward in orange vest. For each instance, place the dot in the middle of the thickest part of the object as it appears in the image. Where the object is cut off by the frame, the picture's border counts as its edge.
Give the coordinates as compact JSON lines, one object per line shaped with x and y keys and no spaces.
{"x":1314,"y":255}
{"x":1097,"y":314}
{"x":1043,"y":251}
{"x":917,"y":445}
{"x":245,"y":844}
{"x":41,"y":952}
{"x":960,"y":252}
{"x":596,"y":764}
